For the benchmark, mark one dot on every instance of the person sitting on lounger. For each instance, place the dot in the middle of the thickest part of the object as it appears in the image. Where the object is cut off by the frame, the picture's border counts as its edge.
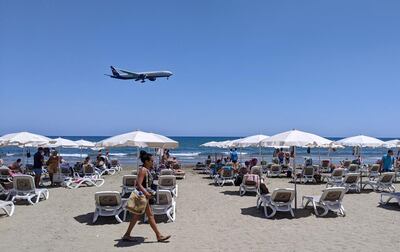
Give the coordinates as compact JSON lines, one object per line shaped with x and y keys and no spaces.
{"x":387,"y":162}
{"x":16,"y":167}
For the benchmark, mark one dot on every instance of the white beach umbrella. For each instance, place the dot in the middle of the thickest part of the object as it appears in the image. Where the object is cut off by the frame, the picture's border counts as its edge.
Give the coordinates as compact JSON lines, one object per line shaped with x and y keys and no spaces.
{"x":212,"y":144}
{"x":392,"y":144}
{"x":62,"y":142}
{"x":84,"y":144}
{"x":295,"y":138}
{"x":361,"y":141}
{"x":168,"y":142}
{"x":250,"y":141}
{"x":23,"y":138}
{"x":133,"y":139}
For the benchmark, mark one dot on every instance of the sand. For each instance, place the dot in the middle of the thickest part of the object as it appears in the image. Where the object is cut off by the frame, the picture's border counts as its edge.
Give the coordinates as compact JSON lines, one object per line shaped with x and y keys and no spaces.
{"x":209,"y":218}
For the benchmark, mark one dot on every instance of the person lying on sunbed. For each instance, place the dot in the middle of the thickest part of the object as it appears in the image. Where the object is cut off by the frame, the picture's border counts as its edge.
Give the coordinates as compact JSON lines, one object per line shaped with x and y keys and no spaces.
{"x":16,"y":167}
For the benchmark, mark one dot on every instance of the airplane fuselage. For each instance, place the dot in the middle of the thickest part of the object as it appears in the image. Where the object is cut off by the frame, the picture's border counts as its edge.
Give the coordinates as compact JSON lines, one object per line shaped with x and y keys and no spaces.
{"x":142,"y":76}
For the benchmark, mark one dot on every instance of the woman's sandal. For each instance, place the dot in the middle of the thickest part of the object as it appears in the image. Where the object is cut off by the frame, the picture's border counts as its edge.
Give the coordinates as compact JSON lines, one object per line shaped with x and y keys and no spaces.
{"x":163,"y":238}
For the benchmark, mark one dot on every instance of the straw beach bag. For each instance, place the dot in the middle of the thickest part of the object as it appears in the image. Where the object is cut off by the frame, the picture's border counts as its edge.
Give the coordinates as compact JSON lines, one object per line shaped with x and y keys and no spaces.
{"x":137,"y":203}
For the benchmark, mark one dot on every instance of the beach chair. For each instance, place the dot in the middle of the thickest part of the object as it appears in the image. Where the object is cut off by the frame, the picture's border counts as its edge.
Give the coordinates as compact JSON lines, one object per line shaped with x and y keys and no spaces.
{"x":331,"y":199}
{"x":275,"y":171}
{"x":128,"y":184}
{"x":8,"y":207}
{"x":392,"y":195}
{"x":257,"y":170}
{"x":165,"y":205}
{"x":373,"y":172}
{"x":134,"y":172}
{"x":335,"y":179}
{"x":325,"y":166}
{"x":168,"y":182}
{"x":90,"y":178}
{"x":279,"y":201}
{"x":350,"y":182}
{"x":116,"y":165}
{"x":346,"y":164}
{"x":178,"y":172}
{"x":384,"y":181}
{"x":212,"y":170}
{"x":226,"y":176}
{"x":353,"y":168}
{"x":107,"y":171}
{"x":166,"y":172}
{"x":264,"y":166}
{"x":4,"y":192}
{"x":250,"y":183}
{"x":24,"y":189}
{"x":306,"y":175}
{"x":108,"y":203}
{"x":5,"y":174}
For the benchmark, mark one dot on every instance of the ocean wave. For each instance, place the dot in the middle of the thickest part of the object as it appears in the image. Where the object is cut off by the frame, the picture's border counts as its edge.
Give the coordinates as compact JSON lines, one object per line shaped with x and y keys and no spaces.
{"x":73,"y":155}
{"x":239,"y":153}
{"x":185,"y":154}
{"x":118,"y":154}
{"x":10,"y":154}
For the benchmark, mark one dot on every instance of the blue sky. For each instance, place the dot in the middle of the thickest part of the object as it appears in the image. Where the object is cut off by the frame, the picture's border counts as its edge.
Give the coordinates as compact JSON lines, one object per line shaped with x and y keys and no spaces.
{"x":240,"y":67}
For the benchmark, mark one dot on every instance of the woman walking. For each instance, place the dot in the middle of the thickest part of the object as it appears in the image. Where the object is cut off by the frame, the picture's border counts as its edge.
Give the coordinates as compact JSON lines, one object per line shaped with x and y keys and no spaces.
{"x":143,"y":184}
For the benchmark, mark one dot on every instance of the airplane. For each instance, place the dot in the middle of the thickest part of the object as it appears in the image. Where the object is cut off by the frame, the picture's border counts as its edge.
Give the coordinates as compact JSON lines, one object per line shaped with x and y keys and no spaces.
{"x":152,"y":76}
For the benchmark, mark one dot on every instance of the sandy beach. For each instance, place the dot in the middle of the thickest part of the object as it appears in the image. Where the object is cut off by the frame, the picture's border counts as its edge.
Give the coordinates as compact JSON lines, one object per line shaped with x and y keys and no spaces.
{"x":209,"y":218}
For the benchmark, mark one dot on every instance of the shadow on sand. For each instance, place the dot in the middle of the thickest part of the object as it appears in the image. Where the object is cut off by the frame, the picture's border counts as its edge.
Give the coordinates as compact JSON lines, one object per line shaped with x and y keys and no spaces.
{"x":298,"y":213}
{"x":392,"y":206}
{"x":137,"y":241}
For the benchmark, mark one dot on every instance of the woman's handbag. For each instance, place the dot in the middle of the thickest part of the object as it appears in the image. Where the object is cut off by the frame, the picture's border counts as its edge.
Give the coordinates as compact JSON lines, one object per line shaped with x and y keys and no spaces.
{"x":137,"y":202}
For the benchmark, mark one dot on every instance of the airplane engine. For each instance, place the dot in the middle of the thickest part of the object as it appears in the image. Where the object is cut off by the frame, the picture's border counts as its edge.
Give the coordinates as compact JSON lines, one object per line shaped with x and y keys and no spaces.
{"x":152,"y":78}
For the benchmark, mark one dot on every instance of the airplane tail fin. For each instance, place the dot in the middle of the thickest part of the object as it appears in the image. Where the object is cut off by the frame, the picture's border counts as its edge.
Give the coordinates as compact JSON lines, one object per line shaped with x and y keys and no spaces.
{"x":114,"y":72}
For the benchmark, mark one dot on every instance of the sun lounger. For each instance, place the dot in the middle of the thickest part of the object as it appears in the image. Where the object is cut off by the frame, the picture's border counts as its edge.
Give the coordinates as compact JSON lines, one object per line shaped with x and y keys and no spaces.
{"x":8,"y":207}
{"x":90,"y":177}
{"x":4,"y":192}
{"x":5,"y":174}
{"x":353,"y":168}
{"x":128,"y":184}
{"x":325,"y":166}
{"x":250,"y":183}
{"x":384,"y":181}
{"x":392,"y":195}
{"x":346,"y":164}
{"x":306,"y":175}
{"x":108,"y":203}
{"x":373,"y":172}
{"x":165,"y":204}
{"x":226,"y":176}
{"x":166,"y":172}
{"x":279,"y":201}
{"x":331,"y":199}
{"x":334,"y":179}
{"x":24,"y":189}
{"x":168,"y":182}
{"x":178,"y":172}
{"x":350,"y":182}
{"x":275,"y":171}
{"x":116,"y":165}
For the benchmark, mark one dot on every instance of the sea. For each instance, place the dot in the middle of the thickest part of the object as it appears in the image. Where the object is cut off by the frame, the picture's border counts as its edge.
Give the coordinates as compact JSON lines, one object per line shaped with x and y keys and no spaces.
{"x":190,"y":152}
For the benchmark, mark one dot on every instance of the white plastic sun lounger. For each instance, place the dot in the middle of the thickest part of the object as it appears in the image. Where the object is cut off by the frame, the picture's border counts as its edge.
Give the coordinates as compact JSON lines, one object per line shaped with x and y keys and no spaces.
{"x":128,"y":184}
{"x":226,"y":176}
{"x":168,"y":182}
{"x":165,"y":204}
{"x":384,"y":181}
{"x":108,"y":203}
{"x":390,"y":196}
{"x":350,"y":182}
{"x":90,"y":178}
{"x":331,"y":199}
{"x":280,"y":201}
{"x":334,"y":179}
{"x":24,"y":189}
{"x":252,"y":185}
{"x":8,"y":207}
{"x":116,"y":165}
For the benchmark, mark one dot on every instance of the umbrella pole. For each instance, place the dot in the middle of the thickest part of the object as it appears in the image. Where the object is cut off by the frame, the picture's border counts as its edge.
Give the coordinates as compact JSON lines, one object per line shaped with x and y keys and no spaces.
{"x":294,"y":174}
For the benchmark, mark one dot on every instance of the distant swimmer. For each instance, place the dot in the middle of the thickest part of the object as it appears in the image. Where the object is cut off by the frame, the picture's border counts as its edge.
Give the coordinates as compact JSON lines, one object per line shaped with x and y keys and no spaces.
{"x":152,"y":76}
